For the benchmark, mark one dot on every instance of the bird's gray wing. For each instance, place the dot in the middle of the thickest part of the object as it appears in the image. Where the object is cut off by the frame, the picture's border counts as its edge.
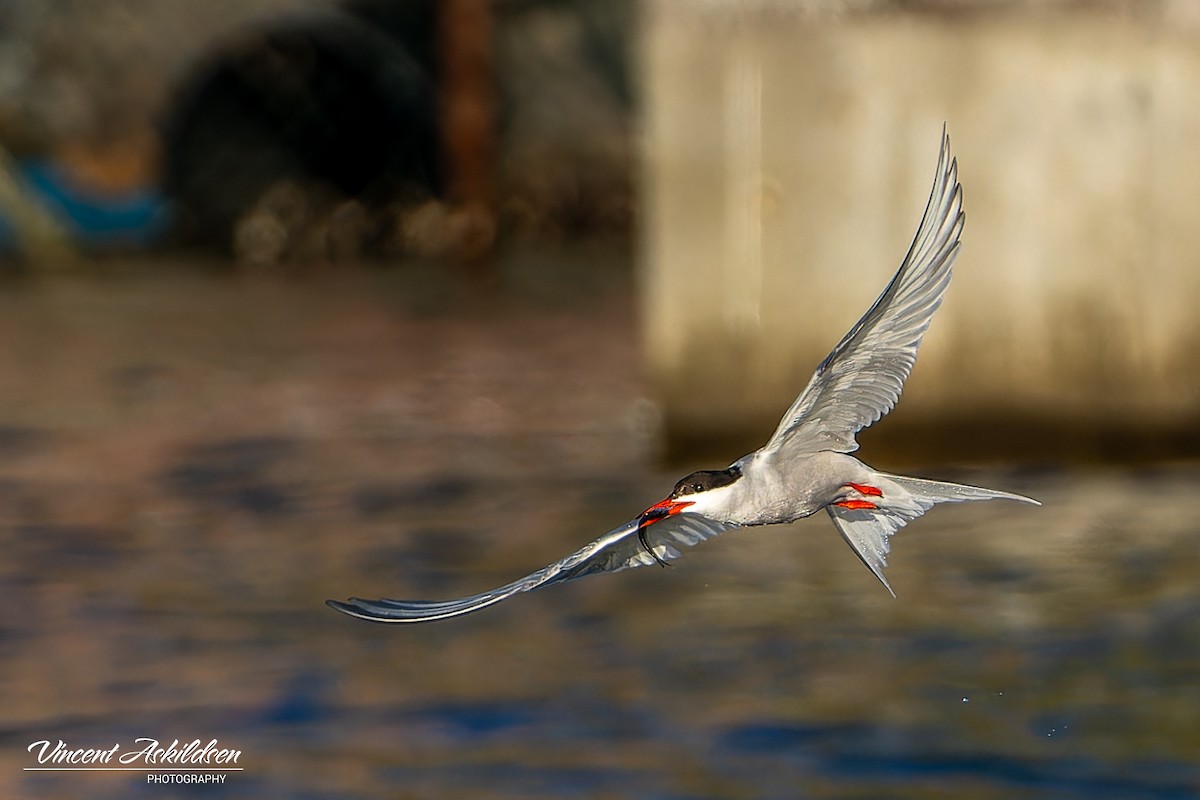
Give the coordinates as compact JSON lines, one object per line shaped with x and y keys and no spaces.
{"x":618,"y":549}
{"x":861,"y":379}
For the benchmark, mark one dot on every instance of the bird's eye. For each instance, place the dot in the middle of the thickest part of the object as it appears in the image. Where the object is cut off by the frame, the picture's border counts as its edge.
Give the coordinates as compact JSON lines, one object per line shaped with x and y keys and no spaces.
{"x":697,"y":488}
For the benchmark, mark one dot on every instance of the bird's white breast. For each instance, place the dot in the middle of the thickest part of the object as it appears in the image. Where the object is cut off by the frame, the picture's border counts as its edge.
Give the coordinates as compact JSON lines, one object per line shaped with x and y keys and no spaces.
{"x":773,"y":490}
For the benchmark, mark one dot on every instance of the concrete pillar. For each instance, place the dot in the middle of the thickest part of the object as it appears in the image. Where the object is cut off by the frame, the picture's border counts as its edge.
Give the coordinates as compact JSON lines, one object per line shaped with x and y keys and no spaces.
{"x":787,"y":163}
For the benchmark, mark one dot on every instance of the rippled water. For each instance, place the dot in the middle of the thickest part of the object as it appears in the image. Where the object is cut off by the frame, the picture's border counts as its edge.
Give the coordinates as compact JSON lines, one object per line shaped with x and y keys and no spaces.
{"x":190,"y":465}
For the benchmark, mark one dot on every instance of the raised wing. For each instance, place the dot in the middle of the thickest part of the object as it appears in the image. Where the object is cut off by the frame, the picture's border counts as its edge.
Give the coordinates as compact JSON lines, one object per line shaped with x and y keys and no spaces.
{"x":861,"y":379}
{"x":620,"y":548}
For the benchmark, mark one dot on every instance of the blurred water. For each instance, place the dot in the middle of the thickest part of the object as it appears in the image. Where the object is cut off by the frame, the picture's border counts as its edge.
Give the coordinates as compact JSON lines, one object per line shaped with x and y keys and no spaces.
{"x":190,"y":465}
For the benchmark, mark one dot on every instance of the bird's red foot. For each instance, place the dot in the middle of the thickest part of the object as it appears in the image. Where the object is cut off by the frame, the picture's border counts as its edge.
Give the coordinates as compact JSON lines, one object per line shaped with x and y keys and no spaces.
{"x":856,"y":504}
{"x":861,"y":488}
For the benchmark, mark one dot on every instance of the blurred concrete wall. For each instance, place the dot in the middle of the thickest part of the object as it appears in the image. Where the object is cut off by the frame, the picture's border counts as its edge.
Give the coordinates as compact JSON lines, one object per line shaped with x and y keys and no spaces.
{"x":788,"y":159}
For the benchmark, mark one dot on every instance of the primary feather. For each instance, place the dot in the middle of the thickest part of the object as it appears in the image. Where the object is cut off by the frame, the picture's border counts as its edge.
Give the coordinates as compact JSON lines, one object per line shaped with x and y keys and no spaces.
{"x":861,"y":379}
{"x":616,"y":550}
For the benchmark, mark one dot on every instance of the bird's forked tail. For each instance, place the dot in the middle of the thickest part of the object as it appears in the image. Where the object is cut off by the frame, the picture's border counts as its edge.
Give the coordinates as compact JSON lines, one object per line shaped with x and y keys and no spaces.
{"x":867,"y":530}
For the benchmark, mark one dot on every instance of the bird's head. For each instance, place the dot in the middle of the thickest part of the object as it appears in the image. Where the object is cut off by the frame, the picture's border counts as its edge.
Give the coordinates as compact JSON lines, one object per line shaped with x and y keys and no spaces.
{"x":696,"y":493}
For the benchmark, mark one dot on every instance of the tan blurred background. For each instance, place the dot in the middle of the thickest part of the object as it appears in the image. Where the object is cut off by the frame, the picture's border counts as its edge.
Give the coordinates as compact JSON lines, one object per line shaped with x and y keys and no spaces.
{"x":770,"y":161}
{"x":789,"y":147}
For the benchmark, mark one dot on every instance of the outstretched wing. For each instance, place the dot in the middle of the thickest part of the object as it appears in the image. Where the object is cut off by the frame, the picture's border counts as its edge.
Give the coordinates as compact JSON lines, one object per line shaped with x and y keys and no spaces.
{"x":618,"y":549}
{"x":861,"y":379}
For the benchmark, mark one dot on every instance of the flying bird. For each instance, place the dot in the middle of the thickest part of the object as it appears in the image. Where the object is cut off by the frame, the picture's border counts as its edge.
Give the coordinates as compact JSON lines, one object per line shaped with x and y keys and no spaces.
{"x":806,"y":465}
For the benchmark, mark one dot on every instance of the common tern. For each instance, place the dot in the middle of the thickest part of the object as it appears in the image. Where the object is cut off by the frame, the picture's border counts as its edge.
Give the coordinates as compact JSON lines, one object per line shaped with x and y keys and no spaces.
{"x":806,"y":465}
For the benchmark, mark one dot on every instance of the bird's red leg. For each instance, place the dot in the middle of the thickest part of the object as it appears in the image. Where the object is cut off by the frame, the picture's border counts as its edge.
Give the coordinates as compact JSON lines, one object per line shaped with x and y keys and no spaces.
{"x":861,"y":488}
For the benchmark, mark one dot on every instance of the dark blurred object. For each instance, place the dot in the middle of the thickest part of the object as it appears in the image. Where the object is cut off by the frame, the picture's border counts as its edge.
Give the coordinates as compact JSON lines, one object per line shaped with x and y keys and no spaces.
{"x":90,"y":215}
{"x":275,"y":134}
{"x":417,"y":126}
{"x":568,"y":145}
{"x":467,"y":112}
{"x":284,"y":130}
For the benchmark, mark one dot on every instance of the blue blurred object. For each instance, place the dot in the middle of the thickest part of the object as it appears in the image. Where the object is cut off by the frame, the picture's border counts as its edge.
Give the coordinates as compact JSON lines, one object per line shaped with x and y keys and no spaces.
{"x":131,"y":218}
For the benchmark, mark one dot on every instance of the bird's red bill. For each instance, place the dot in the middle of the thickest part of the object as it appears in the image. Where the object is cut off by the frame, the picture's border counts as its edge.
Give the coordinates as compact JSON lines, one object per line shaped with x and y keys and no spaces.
{"x":660,"y":511}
